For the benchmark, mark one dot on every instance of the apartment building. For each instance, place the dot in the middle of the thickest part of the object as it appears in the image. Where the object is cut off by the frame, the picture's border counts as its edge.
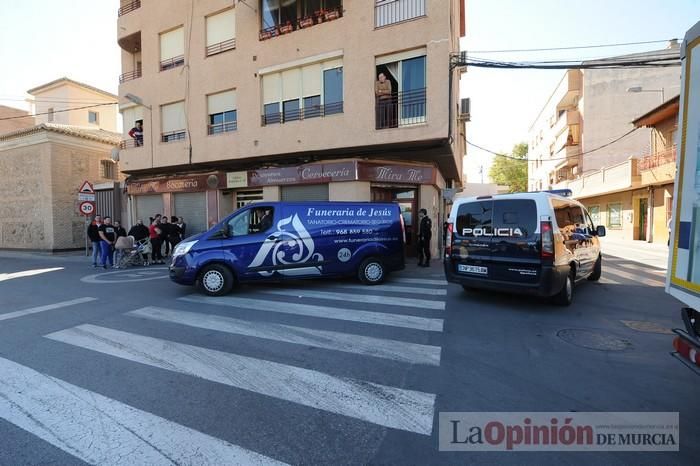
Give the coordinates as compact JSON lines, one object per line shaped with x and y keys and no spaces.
{"x":266,"y":100}
{"x":590,"y":108}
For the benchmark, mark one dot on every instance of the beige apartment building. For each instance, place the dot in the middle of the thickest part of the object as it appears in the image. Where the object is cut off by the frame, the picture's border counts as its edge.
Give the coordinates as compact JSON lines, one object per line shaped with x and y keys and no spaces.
{"x":268,"y":100}
{"x":43,"y":164}
{"x":591,"y":108}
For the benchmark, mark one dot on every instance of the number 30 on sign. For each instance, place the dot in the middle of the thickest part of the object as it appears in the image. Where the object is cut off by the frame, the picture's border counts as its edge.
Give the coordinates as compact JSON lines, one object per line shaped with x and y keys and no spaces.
{"x":87,"y":208}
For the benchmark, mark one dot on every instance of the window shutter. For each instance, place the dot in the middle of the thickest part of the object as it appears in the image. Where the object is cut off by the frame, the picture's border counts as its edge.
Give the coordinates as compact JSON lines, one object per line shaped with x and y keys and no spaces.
{"x":271,"y":88}
{"x":221,"y":27}
{"x":173,"y":117}
{"x":172,"y":44}
{"x":291,"y":87}
{"x":383,"y":60}
{"x":311,"y":80}
{"x":221,"y":102}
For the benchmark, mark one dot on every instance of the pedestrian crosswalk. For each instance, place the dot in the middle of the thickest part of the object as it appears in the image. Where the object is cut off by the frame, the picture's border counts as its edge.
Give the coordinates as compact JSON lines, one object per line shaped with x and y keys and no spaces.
{"x":392,"y":324}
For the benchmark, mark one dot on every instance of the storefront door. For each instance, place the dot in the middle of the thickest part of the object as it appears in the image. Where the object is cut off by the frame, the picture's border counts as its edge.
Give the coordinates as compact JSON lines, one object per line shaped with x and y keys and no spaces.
{"x":643,"y":217}
{"x":407,"y":198}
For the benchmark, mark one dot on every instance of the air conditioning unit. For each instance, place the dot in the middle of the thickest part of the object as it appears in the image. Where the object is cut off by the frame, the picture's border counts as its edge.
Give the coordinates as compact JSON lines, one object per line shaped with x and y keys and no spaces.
{"x":464,"y":110}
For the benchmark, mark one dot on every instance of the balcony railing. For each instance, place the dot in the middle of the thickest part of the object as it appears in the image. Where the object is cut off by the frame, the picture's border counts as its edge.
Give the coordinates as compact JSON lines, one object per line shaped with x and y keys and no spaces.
{"x":172,"y":63}
{"x":658,"y":159}
{"x":321,"y":16}
{"x":401,"y":109}
{"x":221,"y":47}
{"x":173,"y":136}
{"x":222,"y":127}
{"x":388,"y":12}
{"x":131,"y":143}
{"x":316,"y":111}
{"x":128,"y":7}
{"x":130,"y":75}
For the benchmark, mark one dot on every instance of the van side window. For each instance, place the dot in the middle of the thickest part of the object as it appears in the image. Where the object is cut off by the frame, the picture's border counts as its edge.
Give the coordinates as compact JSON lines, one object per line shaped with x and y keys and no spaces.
{"x":473,"y":215}
{"x":256,"y":220}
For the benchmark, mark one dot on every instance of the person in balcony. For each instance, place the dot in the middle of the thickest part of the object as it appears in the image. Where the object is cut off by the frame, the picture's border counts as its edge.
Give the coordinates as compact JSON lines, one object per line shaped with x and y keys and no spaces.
{"x":385,"y":108}
{"x":137,"y":133}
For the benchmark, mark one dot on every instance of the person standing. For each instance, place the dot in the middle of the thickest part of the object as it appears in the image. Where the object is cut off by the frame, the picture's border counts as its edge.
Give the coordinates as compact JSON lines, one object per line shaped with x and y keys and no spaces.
{"x":183,"y":227}
{"x":140,"y":232}
{"x":175,"y":235}
{"x":121,"y":232}
{"x":108,"y":235}
{"x":425,"y":234}
{"x":137,"y":133}
{"x":154,"y":233}
{"x":94,"y":235}
{"x":165,"y":233}
{"x":382,"y":94}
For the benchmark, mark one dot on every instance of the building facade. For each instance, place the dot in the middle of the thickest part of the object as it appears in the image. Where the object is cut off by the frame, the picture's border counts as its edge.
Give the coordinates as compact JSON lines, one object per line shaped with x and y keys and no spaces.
{"x":269,"y":101}
{"x":634,"y":198}
{"x":12,"y":119}
{"x":589,"y":109}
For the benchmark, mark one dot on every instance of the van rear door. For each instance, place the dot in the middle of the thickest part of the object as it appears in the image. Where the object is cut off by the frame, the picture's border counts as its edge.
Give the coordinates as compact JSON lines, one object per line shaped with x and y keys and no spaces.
{"x":471,"y":249}
{"x":515,"y":249}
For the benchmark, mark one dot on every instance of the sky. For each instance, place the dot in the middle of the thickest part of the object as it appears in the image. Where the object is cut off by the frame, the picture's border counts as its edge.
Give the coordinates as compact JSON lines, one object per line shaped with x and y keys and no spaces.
{"x":504,"y":103}
{"x":42,"y":40}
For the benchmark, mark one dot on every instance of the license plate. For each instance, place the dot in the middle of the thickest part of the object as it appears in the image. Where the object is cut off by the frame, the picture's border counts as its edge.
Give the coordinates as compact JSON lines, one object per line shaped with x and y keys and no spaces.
{"x":472,"y":269}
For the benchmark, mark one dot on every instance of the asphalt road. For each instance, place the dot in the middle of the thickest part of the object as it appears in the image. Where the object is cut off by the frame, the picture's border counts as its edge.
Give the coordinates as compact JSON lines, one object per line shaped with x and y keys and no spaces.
{"x":124,"y":367}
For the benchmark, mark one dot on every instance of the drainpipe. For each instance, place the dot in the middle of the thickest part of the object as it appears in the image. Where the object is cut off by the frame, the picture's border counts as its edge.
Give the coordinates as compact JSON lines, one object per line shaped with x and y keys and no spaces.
{"x":650,"y":216}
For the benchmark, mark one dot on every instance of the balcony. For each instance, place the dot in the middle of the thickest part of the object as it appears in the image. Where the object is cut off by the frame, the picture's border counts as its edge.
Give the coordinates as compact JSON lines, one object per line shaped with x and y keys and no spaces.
{"x":658,"y":159}
{"x":569,"y":90}
{"x":401,"y":109}
{"x":128,"y":7}
{"x":388,"y":12}
{"x":130,"y":143}
{"x":129,"y":76}
{"x":621,"y":177}
{"x":318,"y":17}
{"x":316,"y":111}
{"x":221,"y":47}
{"x":172,"y":63}
{"x":173,"y":136}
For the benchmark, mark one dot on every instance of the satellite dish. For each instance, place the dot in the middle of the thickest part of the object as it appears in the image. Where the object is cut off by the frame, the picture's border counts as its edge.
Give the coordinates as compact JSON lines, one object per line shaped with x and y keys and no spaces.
{"x":115,"y":154}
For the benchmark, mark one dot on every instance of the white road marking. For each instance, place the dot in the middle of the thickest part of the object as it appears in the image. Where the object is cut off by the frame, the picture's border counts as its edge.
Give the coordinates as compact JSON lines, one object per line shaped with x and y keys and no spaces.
{"x":358,"y":298}
{"x":635,"y":278}
{"x":100,"y":430}
{"x":395,"y":289}
{"x":393,"y":407}
{"x":411,"y":353}
{"x":48,"y":307}
{"x":417,"y":281}
{"x":643,"y":268}
{"x":108,"y":278}
{"x":324,"y":312}
{"x":27,"y":273}
{"x":609,"y":281}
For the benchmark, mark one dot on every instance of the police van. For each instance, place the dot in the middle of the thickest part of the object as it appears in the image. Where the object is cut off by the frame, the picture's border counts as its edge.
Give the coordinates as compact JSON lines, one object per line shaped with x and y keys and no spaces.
{"x":538,"y":243}
{"x":279,"y":240}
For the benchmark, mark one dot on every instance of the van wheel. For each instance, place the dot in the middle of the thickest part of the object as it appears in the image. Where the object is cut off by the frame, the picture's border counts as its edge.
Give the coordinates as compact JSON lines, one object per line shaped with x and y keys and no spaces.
{"x":216,"y":280}
{"x":371,"y":271}
{"x":566,"y":294}
{"x":597,"y":270}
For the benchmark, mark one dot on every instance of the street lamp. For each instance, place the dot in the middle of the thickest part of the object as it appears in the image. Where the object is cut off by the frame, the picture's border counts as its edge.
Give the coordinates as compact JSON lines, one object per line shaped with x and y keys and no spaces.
{"x":636,"y":89}
{"x":139,"y":101}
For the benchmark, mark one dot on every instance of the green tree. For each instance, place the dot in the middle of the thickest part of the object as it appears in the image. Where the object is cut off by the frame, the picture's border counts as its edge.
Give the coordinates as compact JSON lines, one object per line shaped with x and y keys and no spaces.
{"x":512,"y":170}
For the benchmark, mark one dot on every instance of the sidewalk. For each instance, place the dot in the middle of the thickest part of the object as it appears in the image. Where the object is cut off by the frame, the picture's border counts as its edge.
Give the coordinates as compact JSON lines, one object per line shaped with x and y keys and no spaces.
{"x":651,"y":254}
{"x":70,"y":256}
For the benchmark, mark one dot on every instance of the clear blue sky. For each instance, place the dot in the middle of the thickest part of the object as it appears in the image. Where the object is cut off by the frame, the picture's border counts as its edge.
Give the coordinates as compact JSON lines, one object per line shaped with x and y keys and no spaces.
{"x":505,"y":102}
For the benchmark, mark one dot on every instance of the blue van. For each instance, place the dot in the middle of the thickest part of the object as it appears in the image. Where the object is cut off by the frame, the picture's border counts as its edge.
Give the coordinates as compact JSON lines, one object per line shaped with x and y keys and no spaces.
{"x":280,"y":240}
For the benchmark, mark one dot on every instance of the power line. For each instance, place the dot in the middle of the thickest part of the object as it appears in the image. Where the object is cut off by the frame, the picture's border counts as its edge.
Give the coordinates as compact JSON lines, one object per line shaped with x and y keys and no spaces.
{"x":57,"y":111}
{"x":573,"y":47}
{"x":558,"y":158}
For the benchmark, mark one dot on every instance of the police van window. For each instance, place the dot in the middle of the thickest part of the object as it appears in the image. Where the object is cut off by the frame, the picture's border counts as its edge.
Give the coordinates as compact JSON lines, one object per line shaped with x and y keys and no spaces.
{"x":257,"y":220}
{"x":515,"y":218}
{"x":472,"y":216}
{"x":562,"y":213}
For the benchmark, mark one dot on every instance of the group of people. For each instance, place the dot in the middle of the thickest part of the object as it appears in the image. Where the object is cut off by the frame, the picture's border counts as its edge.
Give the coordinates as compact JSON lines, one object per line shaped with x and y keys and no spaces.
{"x":163,"y":233}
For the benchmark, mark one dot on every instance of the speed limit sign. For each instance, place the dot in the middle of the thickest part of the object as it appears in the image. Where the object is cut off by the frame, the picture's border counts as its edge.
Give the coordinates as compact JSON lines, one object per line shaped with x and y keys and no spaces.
{"x":87,"y":208}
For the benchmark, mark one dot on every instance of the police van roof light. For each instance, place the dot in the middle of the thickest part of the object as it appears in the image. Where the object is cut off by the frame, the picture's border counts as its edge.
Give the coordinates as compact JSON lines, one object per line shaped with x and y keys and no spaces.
{"x":560,"y":192}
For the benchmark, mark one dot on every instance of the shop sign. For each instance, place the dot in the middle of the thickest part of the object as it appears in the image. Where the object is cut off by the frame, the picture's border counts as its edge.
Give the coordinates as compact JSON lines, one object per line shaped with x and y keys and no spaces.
{"x":237,"y":179}
{"x":185,"y":184}
{"x":390,"y":173}
{"x":303,"y":174}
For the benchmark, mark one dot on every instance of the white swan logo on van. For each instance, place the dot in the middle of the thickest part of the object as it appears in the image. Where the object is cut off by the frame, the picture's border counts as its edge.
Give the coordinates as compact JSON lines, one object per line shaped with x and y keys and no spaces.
{"x":501,"y":232}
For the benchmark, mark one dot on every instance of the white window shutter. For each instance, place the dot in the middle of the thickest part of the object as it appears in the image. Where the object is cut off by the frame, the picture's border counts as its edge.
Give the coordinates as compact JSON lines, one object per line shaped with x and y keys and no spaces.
{"x":221,"y":102}
{"x":173,"y":117}
{"x":172,"y":44}
{"x":221,"y":27}
{"x":272,"y":91}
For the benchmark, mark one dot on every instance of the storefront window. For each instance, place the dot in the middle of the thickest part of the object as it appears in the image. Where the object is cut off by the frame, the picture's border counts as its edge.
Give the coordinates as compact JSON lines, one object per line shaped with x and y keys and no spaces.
{"x":594,"y":210}
{"x":615,"y":215}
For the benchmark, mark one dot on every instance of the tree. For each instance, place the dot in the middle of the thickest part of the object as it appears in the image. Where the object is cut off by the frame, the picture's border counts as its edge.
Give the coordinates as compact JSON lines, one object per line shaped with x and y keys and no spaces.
{"x":512,"y":170}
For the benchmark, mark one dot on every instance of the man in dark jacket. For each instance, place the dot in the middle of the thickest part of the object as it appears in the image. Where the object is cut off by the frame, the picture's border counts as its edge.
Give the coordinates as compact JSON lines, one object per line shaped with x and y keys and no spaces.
{"x":94,"y":236}
{"x":425,"y":234}
{"x":139,"y":231}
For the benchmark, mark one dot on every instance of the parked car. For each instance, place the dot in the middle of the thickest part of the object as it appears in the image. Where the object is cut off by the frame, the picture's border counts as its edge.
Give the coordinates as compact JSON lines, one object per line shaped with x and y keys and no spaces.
{"x":536,"y":243}
{"x":281,"y":240}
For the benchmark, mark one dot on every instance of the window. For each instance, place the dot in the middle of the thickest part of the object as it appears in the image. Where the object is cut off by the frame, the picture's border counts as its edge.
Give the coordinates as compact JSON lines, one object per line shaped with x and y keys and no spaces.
{"x":614,"y":215}
{"x":256,"y":220}
{"x":93,"y":118}
{"x":172,"y":49}
{"x":518,"y":213}
{"x":172,"y":122}
{"x":107,"y":170}
{"x":243,"y":198}
{"x":310,"y":91}
{"x":223,"y":116}
{"x":50,"y":115}
{"x":388,"y":12}
{"x":283,"y":16}
{"x":473,"y":215}
{"x":406,"y":73}
{"x":221,"y":32}
{"x":594,"y":211}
